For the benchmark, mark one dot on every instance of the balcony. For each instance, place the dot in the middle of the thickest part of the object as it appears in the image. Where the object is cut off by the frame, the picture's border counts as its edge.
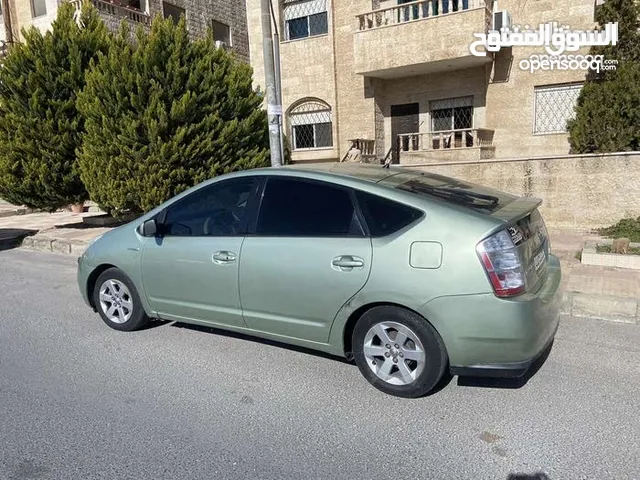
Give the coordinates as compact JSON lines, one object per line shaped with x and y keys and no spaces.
{"x":119,"y":9}
{"x":452,"y":145}
{"x":420,"y":37}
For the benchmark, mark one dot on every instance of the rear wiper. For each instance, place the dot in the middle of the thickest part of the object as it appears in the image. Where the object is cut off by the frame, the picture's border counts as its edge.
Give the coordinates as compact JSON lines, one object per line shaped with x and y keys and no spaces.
{"x":447,"y":193}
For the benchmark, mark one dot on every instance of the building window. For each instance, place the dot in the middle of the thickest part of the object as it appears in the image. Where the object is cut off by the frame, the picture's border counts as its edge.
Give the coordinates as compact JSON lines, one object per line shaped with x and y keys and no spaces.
{"x":554,"y":106}
{"x":305,"y":18}
{"x":221,"y":32}
{"x":172,"y":11}
{"x":451,"y":114}
{"x":454,"y":116}
{"x":38,"y":8}
{"x":311,"y":125}
{"x":136,"y":4}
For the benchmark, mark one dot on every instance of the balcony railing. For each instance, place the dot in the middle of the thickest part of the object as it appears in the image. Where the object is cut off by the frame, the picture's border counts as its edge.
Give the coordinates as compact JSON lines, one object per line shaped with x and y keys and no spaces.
{"x":117,"y":8}
{"x":420,"y":10}
{"x":445,"y":140}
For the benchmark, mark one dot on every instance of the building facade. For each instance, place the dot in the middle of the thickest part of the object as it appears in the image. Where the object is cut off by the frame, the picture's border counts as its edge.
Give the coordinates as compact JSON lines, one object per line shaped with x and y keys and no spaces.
{"x":227,"y":18}
{"x":399,"y":78}
{"x":18,"y":14}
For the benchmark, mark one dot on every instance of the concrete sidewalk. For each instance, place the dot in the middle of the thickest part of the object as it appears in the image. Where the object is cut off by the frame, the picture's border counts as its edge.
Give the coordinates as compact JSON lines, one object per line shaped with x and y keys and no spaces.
{"x":603,"y":293}
{"x":62,"y":232}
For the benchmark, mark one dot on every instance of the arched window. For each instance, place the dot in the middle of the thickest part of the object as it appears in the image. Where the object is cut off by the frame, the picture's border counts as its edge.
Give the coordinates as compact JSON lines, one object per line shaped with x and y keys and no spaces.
{"x":310,"y":122}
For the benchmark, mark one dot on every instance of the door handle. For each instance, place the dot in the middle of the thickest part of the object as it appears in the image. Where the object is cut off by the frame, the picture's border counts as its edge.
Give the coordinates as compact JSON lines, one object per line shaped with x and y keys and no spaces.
{"x":223,"y":257}
{"x":348,"y":261}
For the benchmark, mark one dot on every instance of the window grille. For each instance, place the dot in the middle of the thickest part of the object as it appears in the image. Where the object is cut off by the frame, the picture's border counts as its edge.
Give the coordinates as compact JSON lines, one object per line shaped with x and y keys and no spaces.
{"x":304,"y":18}
{"x":554,"y":107}
{"x":311,"y":125}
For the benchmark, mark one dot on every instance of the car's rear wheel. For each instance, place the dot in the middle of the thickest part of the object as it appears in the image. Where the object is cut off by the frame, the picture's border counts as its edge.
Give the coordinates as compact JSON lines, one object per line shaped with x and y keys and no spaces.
{"x":398,"y":351}
{"x":117,"y":301}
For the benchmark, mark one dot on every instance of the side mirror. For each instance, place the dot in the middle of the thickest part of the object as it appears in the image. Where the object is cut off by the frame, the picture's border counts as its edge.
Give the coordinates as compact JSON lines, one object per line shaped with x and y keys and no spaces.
{"x":149,"y":228}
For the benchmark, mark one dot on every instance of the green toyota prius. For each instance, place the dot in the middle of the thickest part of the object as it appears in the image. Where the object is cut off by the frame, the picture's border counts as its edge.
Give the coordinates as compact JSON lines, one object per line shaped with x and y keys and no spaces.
{"x":409,"y":274}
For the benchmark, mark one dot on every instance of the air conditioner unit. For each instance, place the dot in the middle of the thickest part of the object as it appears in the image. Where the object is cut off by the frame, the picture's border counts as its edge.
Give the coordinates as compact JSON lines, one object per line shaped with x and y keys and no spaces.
{"x":220,"y":44}
{"x":501,"y":19}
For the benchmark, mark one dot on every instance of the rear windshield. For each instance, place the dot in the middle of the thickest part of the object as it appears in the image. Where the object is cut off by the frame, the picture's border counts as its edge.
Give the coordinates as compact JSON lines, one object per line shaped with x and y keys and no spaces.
{"x":475,"y":197}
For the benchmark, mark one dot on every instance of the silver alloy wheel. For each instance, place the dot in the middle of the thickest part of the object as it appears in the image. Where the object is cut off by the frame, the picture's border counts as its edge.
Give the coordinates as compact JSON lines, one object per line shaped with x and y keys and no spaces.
{"x":115,"y":301}
{"x":394,"y":353}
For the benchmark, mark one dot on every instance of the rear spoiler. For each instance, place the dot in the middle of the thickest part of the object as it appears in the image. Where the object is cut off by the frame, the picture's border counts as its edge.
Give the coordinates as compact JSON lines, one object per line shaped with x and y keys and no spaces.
{"x":519,"y":208}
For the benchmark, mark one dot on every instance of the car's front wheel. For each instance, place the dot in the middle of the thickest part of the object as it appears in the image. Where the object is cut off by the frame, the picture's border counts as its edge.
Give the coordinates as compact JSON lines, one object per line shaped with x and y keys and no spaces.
{"x":398,"y":351}
{"x":117,"y":301}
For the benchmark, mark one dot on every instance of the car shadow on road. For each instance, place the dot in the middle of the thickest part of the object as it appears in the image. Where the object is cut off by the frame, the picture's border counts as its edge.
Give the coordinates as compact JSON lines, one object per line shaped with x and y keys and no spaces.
{"x":444,"y":381}
{"x":525,"y":476}
{"x":250,"y":338}
{"x":12,"y":237}
{"x":508,"y":383}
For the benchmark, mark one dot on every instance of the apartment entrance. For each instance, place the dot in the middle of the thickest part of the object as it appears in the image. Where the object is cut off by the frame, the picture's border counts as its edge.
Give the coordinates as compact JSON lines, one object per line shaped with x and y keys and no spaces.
{"x":405,"y":118}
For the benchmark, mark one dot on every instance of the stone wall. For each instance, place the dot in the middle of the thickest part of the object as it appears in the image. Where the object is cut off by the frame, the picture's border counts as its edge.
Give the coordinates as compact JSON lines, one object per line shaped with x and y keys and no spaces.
{"x":200,"y":13}
{"x":578,"y":191}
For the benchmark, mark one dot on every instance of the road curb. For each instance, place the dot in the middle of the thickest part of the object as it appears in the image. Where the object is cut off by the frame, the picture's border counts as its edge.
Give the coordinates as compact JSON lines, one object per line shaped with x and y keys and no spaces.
{"x":54,"y":245}
{"x":13,"y":213}
{"x":602,"y":307}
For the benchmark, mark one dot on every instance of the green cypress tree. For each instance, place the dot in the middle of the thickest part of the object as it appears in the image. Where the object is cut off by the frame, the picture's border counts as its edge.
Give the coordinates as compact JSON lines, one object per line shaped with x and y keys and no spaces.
{"x":608,"y":108}
{"x":163,"y":114}
{"x":40,"y":128}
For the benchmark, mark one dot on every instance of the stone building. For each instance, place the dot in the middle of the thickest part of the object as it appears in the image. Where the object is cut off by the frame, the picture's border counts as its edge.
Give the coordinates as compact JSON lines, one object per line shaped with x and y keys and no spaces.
{"x":227,"y":18}
{"x":399,"y":78}
{"x":24,"y":13}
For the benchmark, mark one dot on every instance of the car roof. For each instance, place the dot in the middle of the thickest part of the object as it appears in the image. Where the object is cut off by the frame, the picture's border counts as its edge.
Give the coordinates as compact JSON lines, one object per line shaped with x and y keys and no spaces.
{"x":360,"y":171}
{"x":423,"y":184}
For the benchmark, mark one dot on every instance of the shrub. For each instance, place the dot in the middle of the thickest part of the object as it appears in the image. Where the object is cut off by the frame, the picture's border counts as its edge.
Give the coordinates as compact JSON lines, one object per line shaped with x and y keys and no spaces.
{"x":40,"y":128}
{"x":165,"y":114}
{"x":625,"y":228}
{"x":608,"y":109}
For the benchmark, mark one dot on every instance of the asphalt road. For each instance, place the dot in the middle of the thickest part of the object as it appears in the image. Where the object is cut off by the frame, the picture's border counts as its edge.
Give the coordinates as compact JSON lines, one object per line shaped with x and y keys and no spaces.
{"x":81,"y":401}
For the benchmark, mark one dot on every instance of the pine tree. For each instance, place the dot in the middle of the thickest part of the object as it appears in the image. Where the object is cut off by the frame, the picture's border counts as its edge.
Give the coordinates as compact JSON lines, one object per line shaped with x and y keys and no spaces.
{"x":163,"y":114}
{"x":40,"y":127}
{"x":608,"y":108}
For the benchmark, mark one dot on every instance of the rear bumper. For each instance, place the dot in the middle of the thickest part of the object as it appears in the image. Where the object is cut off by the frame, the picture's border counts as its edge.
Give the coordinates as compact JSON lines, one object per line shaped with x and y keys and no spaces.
{"x":489,"y":336}
{"x":502,"y":370}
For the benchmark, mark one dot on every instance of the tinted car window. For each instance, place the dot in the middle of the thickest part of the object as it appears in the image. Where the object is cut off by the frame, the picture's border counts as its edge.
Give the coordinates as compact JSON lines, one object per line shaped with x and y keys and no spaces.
{"x":384,"y":216}
{"x":293,"y":207}
{"x":214,"y":210}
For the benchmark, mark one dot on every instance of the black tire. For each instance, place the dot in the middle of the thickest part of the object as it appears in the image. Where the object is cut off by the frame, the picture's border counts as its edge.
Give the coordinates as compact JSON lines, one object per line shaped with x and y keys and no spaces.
{"x":137,"y":318}
{"x":434,"y":348}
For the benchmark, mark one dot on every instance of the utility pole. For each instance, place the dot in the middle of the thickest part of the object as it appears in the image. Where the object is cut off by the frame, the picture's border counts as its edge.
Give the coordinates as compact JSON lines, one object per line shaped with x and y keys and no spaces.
{"x":8,"y":27}
{"x":276,"y":63}
{"x":274,"y":108}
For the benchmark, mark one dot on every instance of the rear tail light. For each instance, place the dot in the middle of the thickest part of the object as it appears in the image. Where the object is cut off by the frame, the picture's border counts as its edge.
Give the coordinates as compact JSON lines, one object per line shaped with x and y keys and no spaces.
{"x":502,"y":263}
